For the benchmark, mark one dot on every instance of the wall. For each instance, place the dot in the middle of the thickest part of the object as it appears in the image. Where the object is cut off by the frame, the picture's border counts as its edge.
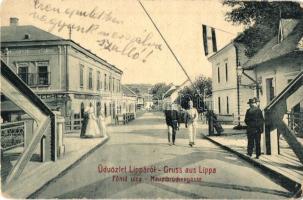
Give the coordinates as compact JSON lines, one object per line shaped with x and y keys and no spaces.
{"x":226,"y":55}
{"x":228,"y":87}
{"x":281,"y":70}
{"x":76,"y":59}
{"x":109,"y":99}
{"x":31,"y":55}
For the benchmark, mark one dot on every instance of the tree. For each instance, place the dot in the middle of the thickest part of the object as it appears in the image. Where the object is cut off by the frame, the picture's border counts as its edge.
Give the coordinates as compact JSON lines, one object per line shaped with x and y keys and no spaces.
{"x":261,"y":19}
{"x":203,"y":85}
{"x":158,"y":90}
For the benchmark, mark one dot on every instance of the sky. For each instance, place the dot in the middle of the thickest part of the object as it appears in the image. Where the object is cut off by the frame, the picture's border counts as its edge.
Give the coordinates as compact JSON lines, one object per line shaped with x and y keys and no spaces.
{"x":122,"y":34}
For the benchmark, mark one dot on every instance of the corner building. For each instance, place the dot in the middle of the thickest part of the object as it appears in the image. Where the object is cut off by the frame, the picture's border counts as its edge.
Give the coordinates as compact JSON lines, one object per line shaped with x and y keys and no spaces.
{"x":65,"y":75}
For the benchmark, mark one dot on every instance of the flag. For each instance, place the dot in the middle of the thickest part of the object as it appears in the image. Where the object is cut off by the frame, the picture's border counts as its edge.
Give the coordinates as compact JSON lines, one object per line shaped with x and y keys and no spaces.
{"x":209,"y":40}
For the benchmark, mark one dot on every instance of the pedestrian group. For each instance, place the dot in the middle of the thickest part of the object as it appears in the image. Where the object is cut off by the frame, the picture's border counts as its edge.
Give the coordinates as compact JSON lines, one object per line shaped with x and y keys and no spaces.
{"x":174,"y":118}
{"x":93,"y":126}
{"x":253,"y":119}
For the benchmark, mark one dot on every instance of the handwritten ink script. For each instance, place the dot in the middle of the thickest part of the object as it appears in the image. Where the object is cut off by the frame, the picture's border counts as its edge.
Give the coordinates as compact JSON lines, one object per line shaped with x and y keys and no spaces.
{"x":136,"y":47}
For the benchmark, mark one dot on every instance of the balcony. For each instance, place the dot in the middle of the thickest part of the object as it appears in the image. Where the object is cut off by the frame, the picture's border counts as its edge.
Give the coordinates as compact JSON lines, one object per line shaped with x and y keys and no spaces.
{"x":36,"y":79}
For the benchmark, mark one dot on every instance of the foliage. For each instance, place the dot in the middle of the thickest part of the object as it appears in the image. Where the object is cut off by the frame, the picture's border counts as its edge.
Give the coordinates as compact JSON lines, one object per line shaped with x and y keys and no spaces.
{"x":261,"y":19}
{"x":158,"y":90}
{"x":203,"y":86}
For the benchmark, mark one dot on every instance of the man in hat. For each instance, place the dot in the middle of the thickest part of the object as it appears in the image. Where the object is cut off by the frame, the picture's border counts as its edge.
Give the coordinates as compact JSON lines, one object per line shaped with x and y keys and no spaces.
{"x":254,"y":121}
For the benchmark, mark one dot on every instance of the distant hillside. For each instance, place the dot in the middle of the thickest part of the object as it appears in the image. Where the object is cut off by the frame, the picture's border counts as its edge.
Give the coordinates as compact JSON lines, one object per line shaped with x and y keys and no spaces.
{"x":140,"y":88}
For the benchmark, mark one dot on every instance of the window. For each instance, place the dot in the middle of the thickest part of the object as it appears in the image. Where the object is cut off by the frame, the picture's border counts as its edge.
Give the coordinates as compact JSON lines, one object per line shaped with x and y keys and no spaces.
{"x":270,"y":89}
{"x":110,"y":109}
{"x":23,"y":73}
{"x":81,"y":75}
{"x":90,"y":79}
{"x":101,"y":81}
{"x":118,"y":85}
{"x":110,"y":84}
{"x":105,"y":86}
{"x":218,"y":74}
{"x":98,"y":81}
{"x":219,"y":105}
{"x":114,"y":84}
{"x":226,"y":72}
{"x":42,"y":75}
{"x":227,"y":105}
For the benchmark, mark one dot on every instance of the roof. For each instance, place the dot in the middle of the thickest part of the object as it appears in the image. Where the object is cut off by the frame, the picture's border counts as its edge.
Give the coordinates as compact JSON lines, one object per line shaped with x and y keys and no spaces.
{"x":10,"y":35}
{"x":128,"y":92}
{"x":221,"y":50}
{"x":171,"y":92}
{"x":17,"y":33}
{"x":176,"y":89}
{"x":233,"y":42}
{"x":272,"y":50}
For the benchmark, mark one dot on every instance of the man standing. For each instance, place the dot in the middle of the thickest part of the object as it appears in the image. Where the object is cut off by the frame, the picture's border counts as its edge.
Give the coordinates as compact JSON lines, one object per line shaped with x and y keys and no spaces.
{"x":84,"y":122}
{"x":191,"y":123}
{"x":171,"y":117}
{"x":254,"y":121}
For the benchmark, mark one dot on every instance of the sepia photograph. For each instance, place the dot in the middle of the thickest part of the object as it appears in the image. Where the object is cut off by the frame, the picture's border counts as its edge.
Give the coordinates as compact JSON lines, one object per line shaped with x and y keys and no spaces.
{"x":151,"y":99}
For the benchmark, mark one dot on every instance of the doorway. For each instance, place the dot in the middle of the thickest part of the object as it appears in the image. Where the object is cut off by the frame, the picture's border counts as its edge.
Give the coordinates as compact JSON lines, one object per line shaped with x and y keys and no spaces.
{"x":270,"y":90}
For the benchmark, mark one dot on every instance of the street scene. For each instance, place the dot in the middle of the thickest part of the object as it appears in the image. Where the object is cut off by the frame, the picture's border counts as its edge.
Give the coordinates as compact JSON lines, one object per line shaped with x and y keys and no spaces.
{"x":151,"y":99}
{"x":138,"y":146}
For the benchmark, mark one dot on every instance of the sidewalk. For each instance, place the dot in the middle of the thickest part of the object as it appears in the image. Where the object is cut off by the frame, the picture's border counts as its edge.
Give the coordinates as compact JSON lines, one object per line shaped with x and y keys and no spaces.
{"x":285,"y":168}
{"x":37,"y":174}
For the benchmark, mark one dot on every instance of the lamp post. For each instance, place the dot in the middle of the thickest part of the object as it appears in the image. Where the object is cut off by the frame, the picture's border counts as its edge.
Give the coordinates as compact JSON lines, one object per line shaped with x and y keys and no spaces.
{"x":239,"y":74}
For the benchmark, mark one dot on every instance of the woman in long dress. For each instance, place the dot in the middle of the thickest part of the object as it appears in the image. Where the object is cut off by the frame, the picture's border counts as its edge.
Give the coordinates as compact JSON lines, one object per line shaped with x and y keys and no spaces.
{"x":92,"y":129}
{"x":101,"y":122}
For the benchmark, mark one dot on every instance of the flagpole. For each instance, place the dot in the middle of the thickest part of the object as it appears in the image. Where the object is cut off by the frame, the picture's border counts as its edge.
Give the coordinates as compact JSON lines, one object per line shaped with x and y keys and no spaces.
{"x":169,"y":47}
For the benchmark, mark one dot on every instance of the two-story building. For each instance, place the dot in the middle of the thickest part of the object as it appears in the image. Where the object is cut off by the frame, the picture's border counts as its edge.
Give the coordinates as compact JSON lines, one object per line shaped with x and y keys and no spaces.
{"x":129,"y":100}
{"x":230,"y":90}
{"x":61,"y":72}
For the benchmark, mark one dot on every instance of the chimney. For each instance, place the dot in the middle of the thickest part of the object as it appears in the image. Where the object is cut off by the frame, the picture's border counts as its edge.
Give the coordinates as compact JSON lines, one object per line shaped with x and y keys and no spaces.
{"x":13,"y":21}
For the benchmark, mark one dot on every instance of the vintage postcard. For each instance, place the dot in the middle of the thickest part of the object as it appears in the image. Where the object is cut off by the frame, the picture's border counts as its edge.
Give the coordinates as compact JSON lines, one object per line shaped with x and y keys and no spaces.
{"x":151,"y":99}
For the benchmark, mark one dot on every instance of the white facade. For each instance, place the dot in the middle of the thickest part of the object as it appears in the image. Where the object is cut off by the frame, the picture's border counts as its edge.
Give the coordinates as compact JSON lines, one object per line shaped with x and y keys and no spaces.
{"x":224,"y":82}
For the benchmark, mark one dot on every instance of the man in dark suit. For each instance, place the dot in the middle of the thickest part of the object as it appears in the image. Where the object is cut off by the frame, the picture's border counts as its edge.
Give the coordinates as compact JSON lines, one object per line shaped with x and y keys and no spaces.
{"x":171,"y":118}
{"x":255,"y":122}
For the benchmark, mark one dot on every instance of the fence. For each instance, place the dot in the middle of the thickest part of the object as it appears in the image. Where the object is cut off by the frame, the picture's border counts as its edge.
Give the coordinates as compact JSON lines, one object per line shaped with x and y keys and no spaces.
{"x":73,"y":124}
{"x":295,"y":122}
{"x":12,"y":135}
{"x":125,"y":118}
